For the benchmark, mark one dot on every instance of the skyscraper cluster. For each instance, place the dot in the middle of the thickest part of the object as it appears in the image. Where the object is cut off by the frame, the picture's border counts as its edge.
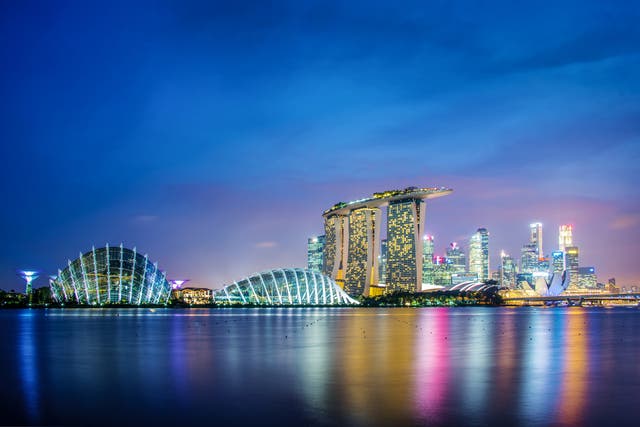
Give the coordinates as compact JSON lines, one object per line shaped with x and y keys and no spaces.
{"x":354,"y":254}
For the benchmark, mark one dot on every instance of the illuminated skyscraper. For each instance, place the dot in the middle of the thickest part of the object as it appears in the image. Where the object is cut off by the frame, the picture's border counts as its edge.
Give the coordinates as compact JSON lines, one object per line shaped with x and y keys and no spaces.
{"x":405,"y":223}
{"x":571,"y":261}
{"x":427,"y":260}
{"x":565,"y":237}
{"x":507,"y":271}
{"x":479,"y":254}
{"x":529,"y":259}
{"x":335,"y":247}
{"x":441,"y":272}
{"x":535,"y":237}
{"x":362,"y":258}
{"x":383,"y":261}
{"x":315,"y":253}
{"x":587,"y":277}
{"x":557,"y":262}
{"x":456,"y":259}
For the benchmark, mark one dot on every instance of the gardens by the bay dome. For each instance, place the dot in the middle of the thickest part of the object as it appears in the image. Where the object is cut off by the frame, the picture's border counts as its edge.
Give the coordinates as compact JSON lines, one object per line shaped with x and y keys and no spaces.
{"x":111,"y":275}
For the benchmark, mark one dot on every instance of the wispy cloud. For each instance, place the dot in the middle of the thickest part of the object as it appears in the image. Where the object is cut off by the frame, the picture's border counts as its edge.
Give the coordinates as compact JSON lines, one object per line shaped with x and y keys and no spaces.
{"x":266,"y":245}
{"x":625,"y":222}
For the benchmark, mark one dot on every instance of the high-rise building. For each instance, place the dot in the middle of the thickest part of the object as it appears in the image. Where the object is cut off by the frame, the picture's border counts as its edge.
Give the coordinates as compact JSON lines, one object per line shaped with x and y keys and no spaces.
{"x":427,"y":260}
{"x":335,"y":247}
{"x":315,"y":253}
{"x":362,"y":259}
{"x":405,"y":223}
{"x":587,"y":278}
{"x":557,"y":262}
{"x":456,"y":259}
{"x":507,"y":271}
{"x":571,"y":261}
{"x":479,"y":254}
{"x":565,"y":237}
{"x":441,"y":272}
{"x":383,"y":261}
{"x":535,"y":237}
{"x":529,"y":258}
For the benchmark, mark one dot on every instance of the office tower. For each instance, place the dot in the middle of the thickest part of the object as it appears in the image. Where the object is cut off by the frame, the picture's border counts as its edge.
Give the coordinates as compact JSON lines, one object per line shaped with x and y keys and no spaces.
{"x":557,"y":262}
{"x":363,"y":250}
{"x":405,"y":223}
{"x":427,"y":260}
{"x":587,"y":278}
{"x":456,"y":259}
{"x":507,"y":271}
{"x":535,"y":237}
{"x":315,"y":253}
{"x":335,"y":247}
{"x":571,"y":263}
{"x":479,"y":254}
{"x":529,"y":259}
{"x":441,"y":272}
{"x":565,"y":237}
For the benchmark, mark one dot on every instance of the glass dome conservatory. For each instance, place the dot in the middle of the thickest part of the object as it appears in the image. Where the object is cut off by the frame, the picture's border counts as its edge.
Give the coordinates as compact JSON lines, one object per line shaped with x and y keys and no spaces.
{"x":111,"y":275}
{"x":285,"y":286}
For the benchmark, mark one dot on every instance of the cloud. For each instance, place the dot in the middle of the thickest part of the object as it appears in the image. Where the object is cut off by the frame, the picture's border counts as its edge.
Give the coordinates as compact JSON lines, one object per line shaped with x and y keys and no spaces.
{"x":625,"y":222}
{"x":266,"y":245}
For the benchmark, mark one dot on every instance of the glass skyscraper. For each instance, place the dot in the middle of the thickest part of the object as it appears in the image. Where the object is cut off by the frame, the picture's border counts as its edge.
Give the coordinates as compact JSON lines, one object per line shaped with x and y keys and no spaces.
{"x":315,"y":253}
{"x":571,"y":261}
{"x":427,"y":260}
{"x":479,"y":254}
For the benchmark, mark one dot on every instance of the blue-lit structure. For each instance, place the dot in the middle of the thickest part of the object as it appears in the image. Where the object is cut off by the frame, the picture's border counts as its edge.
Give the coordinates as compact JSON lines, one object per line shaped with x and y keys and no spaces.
{"x":111,"y":275}
{"x":284,"y":286}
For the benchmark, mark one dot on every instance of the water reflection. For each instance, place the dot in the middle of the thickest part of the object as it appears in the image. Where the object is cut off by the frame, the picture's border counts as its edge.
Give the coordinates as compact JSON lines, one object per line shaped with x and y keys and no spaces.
{"x":363,"y":367}
{"x":28,"y":359}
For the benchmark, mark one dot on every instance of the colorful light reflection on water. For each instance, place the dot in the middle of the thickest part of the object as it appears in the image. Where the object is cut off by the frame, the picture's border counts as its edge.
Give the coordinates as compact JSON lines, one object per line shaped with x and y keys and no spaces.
{"x":527,"y":366}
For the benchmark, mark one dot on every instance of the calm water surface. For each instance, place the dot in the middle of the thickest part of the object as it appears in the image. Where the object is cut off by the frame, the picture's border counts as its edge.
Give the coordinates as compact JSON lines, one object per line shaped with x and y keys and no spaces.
{"x":321,"y":366}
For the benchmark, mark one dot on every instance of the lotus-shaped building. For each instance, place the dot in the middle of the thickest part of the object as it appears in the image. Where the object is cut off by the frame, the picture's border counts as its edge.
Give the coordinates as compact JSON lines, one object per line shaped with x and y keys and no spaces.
{"x":285,"y":286}
{"x":553,"y":284}
{"x":111,"y":275}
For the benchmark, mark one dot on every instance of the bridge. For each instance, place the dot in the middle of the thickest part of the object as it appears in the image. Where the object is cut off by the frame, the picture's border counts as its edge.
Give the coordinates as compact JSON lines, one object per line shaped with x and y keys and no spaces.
{"x":577,"y":299}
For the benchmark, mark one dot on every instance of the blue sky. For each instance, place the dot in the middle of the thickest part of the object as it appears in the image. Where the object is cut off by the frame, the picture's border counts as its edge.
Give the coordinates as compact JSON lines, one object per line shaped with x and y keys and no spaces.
{"x":213,"y":135}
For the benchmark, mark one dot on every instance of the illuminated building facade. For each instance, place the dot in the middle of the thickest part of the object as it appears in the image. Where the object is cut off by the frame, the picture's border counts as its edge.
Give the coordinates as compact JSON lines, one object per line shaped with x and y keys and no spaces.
{"x":403,"y":268}
{"x":427,"y":260}
{"x":194,"y":296}
{"x":405,"y":223}
{"x":441,"y":272}
{"x":587,"y":278}
{"x":383,"y":261}
{"x":335,"y":247}
{"x":362,"y":259}
{"x":479,"y":254}
{"x":285,"y":286}
{"x":557,"y":261}
{"x":507,"y":271}
{"x":535,"y":238}
{"x":315,"y":253}
{"x":571,"y":261}
{"x":529,"y":259}
{"x":111,"y":275}
{"x":456,"y":259}
{"x":565,"y":237}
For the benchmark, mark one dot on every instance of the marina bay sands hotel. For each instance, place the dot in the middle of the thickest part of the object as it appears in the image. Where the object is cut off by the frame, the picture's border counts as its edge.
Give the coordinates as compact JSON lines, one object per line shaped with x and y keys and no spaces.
{"x":352,"y":241}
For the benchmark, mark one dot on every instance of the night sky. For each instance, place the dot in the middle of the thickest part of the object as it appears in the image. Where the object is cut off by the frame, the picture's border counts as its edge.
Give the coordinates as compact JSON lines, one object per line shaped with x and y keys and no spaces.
{"x":212,"y":136}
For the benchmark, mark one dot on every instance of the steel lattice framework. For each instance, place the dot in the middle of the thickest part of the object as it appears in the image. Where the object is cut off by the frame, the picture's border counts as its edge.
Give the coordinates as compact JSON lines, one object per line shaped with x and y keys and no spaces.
{"x":111,"y":275}
{"x":285,"y":286}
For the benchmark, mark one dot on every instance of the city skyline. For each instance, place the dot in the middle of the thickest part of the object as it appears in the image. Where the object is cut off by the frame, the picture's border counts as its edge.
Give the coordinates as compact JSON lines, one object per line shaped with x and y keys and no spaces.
{"x":214,"y":137}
